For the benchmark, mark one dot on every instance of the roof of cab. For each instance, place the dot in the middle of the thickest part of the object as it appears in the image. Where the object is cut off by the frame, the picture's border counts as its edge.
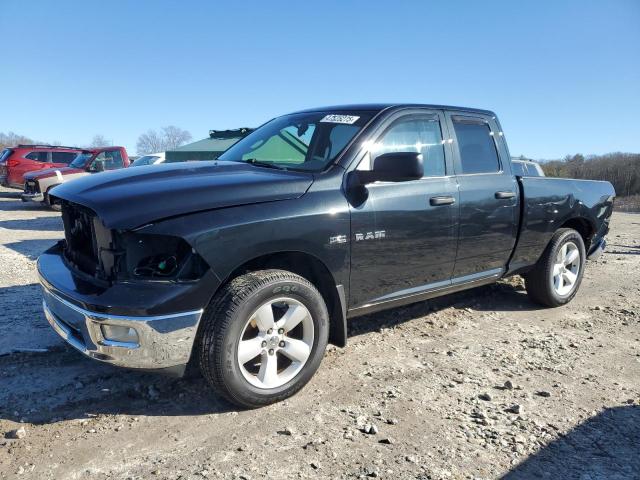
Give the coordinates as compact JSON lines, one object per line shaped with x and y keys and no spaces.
{"x":378,"y":107}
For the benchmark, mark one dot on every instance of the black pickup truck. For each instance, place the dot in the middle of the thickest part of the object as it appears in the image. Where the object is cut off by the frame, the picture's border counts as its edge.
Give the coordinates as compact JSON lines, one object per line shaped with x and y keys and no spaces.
{"x":249,"y":265}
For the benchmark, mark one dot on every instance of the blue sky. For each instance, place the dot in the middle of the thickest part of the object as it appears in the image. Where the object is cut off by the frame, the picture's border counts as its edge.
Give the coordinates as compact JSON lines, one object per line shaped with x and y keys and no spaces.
{"x":563,"y":76}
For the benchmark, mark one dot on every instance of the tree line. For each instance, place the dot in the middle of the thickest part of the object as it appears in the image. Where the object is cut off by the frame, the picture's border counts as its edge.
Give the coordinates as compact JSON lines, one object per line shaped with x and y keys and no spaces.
{"x":621,"y":169}
{"x":11,"y":139}
{"x":152,"y":141}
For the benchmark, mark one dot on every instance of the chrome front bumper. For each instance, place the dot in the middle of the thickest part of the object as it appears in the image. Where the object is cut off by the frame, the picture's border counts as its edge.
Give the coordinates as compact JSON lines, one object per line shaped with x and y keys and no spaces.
{"x":32,"y":197}
{"x":164,"y":341}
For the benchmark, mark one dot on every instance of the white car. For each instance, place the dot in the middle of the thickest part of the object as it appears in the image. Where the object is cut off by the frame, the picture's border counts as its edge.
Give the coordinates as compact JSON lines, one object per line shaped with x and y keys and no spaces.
{"x":527,"y":168}
{"x":150,"y":159}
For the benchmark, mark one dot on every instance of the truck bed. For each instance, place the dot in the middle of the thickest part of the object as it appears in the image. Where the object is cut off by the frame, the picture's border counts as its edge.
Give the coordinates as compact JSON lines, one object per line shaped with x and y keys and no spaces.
{"x":547,"y":204}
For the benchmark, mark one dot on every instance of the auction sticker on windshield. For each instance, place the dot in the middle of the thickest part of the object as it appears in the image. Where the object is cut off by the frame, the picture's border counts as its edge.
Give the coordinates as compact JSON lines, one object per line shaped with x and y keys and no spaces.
{"x":348,"y":119}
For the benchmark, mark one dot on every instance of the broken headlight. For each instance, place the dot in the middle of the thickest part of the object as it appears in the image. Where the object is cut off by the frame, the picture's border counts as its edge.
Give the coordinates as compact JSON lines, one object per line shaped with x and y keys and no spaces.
{"x":161,"y":257}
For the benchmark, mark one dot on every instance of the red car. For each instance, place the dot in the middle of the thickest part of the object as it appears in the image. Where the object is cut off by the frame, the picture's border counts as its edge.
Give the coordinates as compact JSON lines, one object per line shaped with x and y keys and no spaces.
{"x":16,"y":161}
{"x":94,"y":160}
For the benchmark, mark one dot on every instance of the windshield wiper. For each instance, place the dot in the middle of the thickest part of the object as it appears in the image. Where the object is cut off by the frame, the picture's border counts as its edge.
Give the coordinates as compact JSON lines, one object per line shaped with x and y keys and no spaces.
{"x":260,"y":163}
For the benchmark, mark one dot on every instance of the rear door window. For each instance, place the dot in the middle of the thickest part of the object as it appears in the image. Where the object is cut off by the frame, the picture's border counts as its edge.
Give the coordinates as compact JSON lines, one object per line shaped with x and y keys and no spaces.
{"x":38,"y":156}
{"x":63,"y":157}
{"x":476,"y":146}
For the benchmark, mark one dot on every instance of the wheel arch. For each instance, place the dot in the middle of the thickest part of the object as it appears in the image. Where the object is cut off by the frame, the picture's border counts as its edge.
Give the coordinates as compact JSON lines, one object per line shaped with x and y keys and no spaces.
{"x":307,"y":266}
{"x":314,"y":270}
{"x":584,"y":227}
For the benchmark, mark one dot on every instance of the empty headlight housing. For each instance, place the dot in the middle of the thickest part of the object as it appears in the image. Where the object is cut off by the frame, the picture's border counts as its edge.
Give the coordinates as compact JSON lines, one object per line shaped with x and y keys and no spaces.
{"x":161,"y":257}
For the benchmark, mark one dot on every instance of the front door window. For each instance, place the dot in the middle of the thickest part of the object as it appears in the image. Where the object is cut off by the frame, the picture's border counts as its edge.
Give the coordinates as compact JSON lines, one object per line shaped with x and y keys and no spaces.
{"x":418,"y":134}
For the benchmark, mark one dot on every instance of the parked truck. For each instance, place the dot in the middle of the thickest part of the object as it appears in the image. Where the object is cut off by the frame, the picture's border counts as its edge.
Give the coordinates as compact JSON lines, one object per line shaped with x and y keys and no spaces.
{"x":259,"y":258}
{"x":93,"y":160}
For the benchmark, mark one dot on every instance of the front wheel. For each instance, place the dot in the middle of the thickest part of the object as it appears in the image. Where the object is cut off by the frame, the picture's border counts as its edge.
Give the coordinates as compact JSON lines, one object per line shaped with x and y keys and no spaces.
{"x":264,"y":337}
{"x":555,"y":279}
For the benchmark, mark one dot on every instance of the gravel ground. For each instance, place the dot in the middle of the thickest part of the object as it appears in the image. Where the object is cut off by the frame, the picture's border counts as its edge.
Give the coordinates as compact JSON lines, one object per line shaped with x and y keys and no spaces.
{"x":482,"y":384}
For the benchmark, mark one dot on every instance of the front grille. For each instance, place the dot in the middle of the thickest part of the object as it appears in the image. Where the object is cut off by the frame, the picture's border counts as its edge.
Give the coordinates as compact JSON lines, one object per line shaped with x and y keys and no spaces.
{"x":81,"y":249}
{"x":31,"y":186}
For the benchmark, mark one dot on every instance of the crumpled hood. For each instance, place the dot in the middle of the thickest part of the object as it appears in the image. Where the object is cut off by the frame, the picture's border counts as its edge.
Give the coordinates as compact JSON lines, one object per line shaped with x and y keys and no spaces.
{"x":50,"y":172}
{"x":131,"y":197}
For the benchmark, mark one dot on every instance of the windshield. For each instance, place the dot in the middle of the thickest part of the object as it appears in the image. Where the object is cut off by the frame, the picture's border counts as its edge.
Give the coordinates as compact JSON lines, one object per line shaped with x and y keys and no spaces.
{"x":146,"y":160}
{"x":300,"y":141}
{"x":81,"y":160}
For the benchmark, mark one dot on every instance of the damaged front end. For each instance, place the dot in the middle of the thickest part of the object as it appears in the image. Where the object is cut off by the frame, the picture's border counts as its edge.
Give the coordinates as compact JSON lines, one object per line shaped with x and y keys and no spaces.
{"x":109,"y":255}
{"x":124,"y":297}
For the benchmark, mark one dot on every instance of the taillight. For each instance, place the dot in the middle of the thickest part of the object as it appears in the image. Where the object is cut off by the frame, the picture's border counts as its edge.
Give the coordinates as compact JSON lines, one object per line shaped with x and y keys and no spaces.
{"x":12,"y":163}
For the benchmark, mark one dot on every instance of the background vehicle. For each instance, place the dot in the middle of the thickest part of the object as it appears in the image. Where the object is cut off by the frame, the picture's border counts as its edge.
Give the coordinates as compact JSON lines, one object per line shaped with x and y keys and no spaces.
{"x":315,"y":217}
{"x":16,"y":161}
{"x":150,"y":159}
{"x":526,"y":168}
{"x":95,"y":160}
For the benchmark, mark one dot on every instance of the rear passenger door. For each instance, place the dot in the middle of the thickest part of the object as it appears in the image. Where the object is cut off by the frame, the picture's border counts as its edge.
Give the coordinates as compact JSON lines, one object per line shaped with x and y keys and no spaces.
{"x":488,"y":196}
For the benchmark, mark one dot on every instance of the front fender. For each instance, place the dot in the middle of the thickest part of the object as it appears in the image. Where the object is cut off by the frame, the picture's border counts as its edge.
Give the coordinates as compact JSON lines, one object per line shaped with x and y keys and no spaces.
{"x":316,"y":224}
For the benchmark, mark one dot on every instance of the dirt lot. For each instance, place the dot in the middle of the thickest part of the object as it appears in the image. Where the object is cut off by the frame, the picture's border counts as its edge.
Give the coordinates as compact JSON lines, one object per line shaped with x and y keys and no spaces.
{"x":482,"y":384}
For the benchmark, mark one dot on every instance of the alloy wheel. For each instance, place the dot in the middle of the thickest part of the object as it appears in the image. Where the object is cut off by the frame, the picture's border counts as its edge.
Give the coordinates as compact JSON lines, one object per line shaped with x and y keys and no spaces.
{"x":566,"y":269}
{"x":276,"y":343}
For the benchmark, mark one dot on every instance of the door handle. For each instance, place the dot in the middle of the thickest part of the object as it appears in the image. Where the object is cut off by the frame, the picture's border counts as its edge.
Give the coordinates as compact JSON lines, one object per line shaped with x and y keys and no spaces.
{"x":504,"y":195}
{"x":444,"y":200}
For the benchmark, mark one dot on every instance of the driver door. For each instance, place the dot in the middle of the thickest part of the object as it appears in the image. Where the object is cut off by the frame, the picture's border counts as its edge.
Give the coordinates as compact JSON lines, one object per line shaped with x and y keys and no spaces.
{"x":403,"y":235}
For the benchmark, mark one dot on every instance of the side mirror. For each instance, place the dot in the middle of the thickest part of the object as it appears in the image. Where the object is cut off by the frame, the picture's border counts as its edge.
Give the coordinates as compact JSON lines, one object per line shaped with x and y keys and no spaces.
{"x":393,"y":167}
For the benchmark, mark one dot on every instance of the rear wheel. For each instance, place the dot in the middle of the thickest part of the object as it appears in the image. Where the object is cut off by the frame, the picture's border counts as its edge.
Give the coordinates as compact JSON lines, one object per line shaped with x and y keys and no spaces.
{"x":556,"y":278}
{"x":264,"y":337}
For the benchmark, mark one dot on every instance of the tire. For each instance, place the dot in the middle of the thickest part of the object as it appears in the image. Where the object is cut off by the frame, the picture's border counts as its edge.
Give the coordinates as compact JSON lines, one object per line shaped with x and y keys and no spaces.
{"x":548,"y":284}
{"x":238,"y":314}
